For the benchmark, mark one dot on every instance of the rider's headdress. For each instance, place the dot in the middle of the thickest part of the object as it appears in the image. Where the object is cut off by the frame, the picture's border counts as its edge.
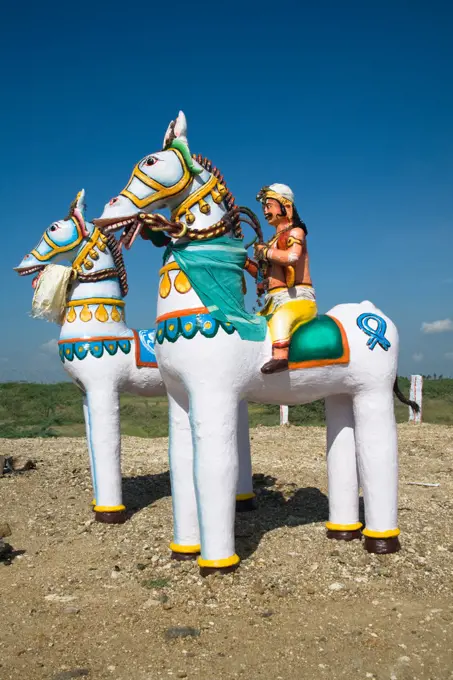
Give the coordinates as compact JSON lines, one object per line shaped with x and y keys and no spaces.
{"x":281,"y":193}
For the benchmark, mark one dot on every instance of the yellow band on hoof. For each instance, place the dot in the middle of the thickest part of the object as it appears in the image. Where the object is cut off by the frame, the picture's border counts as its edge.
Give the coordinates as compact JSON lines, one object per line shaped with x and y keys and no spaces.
{"x":109,"y":508}
{"x":219,"y":564}
{"x":343,"y":527}
{"x":245,"y":496}
{"x":184,"y":549}
{"x":391,"y":533}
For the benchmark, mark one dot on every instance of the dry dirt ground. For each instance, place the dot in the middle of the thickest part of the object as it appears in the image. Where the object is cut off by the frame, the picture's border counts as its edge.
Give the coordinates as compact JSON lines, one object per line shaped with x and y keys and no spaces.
{"x":105,"y":602}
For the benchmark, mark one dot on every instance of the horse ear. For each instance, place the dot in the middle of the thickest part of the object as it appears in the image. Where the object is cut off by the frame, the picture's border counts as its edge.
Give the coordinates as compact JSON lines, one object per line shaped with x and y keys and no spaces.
{"x":176,"y":130}
{"x":80,"y":201}
{"x":181,"y":128}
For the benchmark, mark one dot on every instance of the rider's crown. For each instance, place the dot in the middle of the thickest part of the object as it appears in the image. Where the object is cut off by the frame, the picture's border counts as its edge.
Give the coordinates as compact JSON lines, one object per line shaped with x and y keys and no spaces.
{"x":281,"y":192}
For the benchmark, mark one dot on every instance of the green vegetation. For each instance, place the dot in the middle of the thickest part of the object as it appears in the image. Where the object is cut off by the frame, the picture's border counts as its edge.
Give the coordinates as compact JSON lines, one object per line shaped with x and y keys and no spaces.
{"x":36,"y":410}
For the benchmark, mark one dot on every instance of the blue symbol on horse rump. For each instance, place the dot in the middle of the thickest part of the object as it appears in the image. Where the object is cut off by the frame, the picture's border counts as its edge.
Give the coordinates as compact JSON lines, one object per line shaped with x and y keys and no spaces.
{"x":377,"y":333}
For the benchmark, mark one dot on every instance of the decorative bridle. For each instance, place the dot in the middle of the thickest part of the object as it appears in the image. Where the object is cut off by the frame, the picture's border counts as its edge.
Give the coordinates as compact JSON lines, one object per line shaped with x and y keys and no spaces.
{"x":88,"y":254}
{"x":230,"y":222}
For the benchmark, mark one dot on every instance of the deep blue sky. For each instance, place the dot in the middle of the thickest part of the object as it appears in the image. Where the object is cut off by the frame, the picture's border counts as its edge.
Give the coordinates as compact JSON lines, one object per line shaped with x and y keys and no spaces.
{"x":351,"y":104}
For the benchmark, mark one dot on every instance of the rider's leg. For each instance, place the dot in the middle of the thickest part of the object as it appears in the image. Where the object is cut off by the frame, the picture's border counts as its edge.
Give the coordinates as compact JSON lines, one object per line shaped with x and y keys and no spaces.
{"x":285,"y":320}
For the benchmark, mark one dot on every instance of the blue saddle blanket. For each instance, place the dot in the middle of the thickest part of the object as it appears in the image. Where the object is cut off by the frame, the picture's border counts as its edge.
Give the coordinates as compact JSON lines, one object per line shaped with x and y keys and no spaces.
{"x":144,"y":347}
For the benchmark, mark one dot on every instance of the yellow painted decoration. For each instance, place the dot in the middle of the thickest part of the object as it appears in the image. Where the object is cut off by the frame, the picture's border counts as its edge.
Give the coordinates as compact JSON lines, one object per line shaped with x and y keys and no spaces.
{"x":185,"y":549}
{"x":244,"y":496}
{"x":96,"y":301}
{"x":109,"y":508}
{"x":102,"y":246}
{"x":290,"y":276}
{"x":182,"y":283}
{"x":219,"y":564}
{"x":165,"y":286}
{"x":93,"y":502}
{"x":190,"y":219}
{"x":101,"y":314}
{"x":94,"y":255}
{"x":160,"y":191}
{"x":381,"y":534}
{"x":91,"y":243}
{"x":72,"y":316}
{"x":216,"y":196}
{"x":116,"y":316}
{"x":343,"y":527}
{"x":205,"y":208}
{"x":85,"y":314}
{"x":192,"y":199}
{"x":88,"y":264}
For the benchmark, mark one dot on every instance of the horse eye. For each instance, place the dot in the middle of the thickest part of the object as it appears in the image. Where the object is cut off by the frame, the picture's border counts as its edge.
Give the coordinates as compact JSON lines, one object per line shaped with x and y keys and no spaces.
{"x":151,"y":160}
{"x":53,"y":227}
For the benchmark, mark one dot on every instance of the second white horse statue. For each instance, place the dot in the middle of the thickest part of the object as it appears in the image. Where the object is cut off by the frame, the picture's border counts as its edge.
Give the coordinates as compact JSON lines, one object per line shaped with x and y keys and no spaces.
{"x":99,"y":351}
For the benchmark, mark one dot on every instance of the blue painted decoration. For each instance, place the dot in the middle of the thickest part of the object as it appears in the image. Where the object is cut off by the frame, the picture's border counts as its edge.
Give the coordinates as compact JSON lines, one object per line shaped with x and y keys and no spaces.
{"x":81,"y":348}
{"x":189,"y":326}
{"x":377,"y":334}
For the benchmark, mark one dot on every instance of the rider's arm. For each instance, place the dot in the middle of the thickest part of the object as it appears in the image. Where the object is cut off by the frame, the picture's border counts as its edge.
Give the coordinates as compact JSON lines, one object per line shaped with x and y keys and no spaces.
{"x":251,"y":267}
{"x":288,"y":257}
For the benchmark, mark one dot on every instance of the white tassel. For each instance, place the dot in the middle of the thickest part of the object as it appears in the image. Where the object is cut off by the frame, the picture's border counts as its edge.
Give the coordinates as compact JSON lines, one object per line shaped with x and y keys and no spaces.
{"x":49,"y":300}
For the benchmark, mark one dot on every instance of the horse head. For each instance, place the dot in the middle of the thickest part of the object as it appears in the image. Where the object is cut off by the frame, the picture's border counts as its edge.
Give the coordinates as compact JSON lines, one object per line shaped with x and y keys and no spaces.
{"x":172,"y":179}
{"x":60,"y":242}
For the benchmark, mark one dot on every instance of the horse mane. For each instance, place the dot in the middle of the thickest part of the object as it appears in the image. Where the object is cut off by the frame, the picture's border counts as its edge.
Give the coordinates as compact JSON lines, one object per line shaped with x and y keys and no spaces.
{"x":229,"y":198}
{"x":119,"y":263}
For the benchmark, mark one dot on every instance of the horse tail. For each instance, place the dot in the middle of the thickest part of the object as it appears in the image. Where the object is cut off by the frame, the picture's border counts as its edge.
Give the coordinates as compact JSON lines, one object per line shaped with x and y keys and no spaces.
{"x":403,"y":399}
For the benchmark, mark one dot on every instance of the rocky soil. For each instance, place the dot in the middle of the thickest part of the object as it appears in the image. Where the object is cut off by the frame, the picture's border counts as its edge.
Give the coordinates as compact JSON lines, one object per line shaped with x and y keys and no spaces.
{"x":80,"y":599}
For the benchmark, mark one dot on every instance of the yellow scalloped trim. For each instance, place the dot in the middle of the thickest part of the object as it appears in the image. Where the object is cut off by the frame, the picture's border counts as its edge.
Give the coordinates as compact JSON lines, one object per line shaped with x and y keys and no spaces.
{"x":219,"y":564}
{"x":381,"y":534}
{"x":343,"y":527}
{"x":245,"y":496}
{"x":109,"y":508}
{"x":185,"y":549}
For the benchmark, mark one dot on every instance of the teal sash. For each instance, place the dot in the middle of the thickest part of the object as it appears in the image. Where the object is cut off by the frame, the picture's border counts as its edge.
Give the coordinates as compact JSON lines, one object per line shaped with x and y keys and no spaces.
{"x":215,"y":269}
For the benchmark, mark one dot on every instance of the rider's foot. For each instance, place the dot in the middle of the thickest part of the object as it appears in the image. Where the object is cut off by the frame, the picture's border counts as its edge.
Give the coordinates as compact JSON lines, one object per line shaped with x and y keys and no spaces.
{"x":275,"y":366}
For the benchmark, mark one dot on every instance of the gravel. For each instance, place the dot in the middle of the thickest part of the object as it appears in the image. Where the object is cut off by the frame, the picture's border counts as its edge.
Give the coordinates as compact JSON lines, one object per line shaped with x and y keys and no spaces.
{"x":81,"y":595}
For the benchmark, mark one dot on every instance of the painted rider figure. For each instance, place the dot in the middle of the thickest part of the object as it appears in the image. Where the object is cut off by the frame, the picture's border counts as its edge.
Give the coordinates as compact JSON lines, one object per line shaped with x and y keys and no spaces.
{"x":290,"y":298}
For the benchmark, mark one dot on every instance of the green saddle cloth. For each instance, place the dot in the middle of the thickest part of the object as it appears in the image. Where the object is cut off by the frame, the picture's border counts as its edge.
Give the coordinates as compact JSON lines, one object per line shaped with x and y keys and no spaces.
{"x":319,"y":343}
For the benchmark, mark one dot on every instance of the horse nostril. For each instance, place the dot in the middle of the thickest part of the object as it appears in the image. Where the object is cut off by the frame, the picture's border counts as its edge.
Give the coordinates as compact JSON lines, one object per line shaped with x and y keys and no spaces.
{"x":113,"y":200}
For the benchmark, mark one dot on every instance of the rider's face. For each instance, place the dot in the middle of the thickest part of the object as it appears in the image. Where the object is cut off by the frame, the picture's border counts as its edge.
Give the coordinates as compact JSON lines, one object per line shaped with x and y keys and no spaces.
{"x":272,"y":211}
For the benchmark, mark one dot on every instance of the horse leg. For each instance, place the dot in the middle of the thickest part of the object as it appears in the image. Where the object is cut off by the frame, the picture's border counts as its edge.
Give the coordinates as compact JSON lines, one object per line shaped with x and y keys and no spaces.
{"x":245,"y":496}
{"x":376,"y":441}
{"x":186,"y":532}
{"x":105,"y":444}
{"x":86,"y":418}
{"x":343,"y":482}
{"x":214,"y":420}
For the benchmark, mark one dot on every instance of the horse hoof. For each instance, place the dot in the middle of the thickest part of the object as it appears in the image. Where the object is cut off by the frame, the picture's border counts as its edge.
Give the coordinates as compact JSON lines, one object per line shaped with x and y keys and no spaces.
{"x":344,"y":535}
{"x":183,"y":557}
{"x":118,"y":517}
{"x":206,"y":571}
{"x":382,"y":546}
{"x":246,"y":505}
{"x":223,"y":566}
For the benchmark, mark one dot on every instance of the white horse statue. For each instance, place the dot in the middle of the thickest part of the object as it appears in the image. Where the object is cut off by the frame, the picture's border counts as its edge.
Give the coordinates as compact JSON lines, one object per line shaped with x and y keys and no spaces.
{"x":210,"y":351}
{"x":101,"y":354}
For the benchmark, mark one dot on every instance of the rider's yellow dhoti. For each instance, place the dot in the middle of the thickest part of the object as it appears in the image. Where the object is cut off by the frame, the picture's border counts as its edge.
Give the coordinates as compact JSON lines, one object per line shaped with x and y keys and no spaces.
{"x":286,"y":309}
